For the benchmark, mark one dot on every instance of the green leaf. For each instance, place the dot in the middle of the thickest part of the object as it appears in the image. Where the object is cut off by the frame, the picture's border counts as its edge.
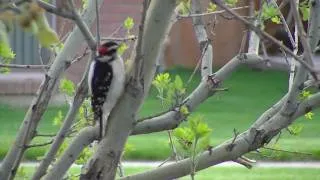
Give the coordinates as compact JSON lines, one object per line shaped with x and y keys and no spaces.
{"x":122,"y":48}
{"x":85,"y":4}
{"x":184,"y":138}
{"x":67,"y":87}
{"x":295,"y":129}
{"x":231,"y":3}
{"x":211,"y":7}
{"x":203,"y":143}
{"x":184,"y":7}
{"x":276,"y":20}
{"x":184,"y":110}
{"x":84,"y":156}
{"x":305,"y":10}
{"x":22,"y":173}
{"x":309,"y":115}
{"x":4,"y":70}
{"x":57,"y":121}
{"x":270,"y":11}
{"x":202,"y":130}
{"x":305,"y":94}
{"x":128,"y":23}
{"x":5,"y":50}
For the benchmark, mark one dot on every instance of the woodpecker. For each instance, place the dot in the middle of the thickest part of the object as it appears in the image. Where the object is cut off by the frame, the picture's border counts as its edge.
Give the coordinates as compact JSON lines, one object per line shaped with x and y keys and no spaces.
{"x":106,"y":81}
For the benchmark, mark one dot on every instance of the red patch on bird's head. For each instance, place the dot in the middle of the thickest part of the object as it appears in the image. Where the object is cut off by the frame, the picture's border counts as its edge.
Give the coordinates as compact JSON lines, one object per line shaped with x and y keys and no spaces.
{"x":102,"y":50}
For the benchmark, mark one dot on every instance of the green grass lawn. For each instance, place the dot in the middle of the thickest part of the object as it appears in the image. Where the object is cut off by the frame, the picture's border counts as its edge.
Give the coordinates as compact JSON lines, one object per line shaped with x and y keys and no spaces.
{"x":250,"y":94}
{"x":227,"y":173}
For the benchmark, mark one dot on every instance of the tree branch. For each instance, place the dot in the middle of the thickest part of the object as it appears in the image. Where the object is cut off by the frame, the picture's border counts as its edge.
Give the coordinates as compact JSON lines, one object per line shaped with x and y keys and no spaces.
{"x":54,"y":10}
{"x":104,"y":162}
{"x":302,"y":34}
{"x":205,"y":89}
{"x":266,"y":36}
{"x":83,"y":26}
{"x":82,"y":140}
{"x":40,"y":103}
{"x":139,"y":56}
{"x":21,"y":66}
{"x":130,"y":38}
{"x":194,"y":14}
{"x":203,"y":40}
{"x":40,"y":144}
{"x":314,"y":21}
{"x":249,"y":140}
{"x":78,"y":99}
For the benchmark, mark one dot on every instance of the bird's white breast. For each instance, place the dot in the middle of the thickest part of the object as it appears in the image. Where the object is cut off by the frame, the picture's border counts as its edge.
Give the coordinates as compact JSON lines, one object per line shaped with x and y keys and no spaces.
{"x":117,"y":83}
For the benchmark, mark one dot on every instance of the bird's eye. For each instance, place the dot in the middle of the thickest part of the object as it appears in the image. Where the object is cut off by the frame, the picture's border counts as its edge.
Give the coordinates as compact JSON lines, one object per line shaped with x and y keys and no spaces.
{"x":102,"y":50}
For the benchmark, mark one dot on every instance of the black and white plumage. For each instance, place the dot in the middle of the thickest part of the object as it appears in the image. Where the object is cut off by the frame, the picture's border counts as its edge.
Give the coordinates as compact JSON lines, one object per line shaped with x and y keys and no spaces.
{"x":106,"y":81}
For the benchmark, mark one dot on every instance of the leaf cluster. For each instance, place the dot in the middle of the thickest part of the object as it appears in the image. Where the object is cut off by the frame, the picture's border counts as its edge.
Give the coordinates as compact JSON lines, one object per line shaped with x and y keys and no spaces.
{"x":193,"y":138}
{"x":270,"y":12}
{"x":170,"y":92}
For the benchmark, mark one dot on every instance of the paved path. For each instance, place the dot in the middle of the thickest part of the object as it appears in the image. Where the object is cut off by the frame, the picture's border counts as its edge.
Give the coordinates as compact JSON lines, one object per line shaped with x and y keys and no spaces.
{"x":225,"y":164}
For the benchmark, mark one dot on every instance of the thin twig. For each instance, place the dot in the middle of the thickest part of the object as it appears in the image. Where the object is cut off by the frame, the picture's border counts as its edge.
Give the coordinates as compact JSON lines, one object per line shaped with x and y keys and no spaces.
{"x":45,"y":135}
{"x":98,"y":23}
{"x":244,"y":163}
{"x":54,"y":10}
{"x":82,"y":26}
{"x":21,"y":66}
{"x":155,"y":115}
{"x":76,"y":59}
{"x":209,"y":13}
{"x":40,"y":144}
{"x":302,"y":34}
{"x":266,"y":36}
{"x":129,"y":38}
{"x":285,"y":25}
{"x":231,"y":145}
{"x":293,"y":152}
{"x":198,"y":63}
{"x":139,"y":56}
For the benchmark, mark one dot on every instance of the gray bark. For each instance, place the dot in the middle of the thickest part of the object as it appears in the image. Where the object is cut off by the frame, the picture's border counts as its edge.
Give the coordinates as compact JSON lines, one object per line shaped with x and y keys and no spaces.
{"x":78,"y":99}
{"x":205,"y":89}
{"x":105,"y":161}
{"x":314,"y":24}
{"x":203,"y":40}
{"x":82,"y":140}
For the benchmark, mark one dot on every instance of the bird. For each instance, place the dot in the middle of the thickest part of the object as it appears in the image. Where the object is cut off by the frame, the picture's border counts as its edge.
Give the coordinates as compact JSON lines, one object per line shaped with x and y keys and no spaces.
{"x":106,"y":79}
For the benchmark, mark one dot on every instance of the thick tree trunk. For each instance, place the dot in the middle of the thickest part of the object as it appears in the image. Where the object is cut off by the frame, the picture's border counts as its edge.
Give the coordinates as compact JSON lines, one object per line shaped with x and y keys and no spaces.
{"x":105,"y":161}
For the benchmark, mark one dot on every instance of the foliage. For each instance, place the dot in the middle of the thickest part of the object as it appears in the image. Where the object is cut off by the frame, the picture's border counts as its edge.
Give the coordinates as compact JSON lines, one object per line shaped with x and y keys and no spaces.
{"x":184,"y":6}
{"x":122,"y":48}
{"x":85,"y":155}
{"x":309,"y":115}
{"x":211,"y":7}
{"x":22,"y":174}
{"x":58,"y":119}
{"x":193,"y":139}
{"x":305,"y":10}
{"x":32,"y":19}
{"x":295,"y":129}
{"x":67,"y":87}
{"x":6,"y":54}
{"x":128,"y":24}
{"x":270,"y":12}
{"x":85,"y":4}
{"x":171,"y":93}
{"x":305,"y":94}
{"x":231,"y":3}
